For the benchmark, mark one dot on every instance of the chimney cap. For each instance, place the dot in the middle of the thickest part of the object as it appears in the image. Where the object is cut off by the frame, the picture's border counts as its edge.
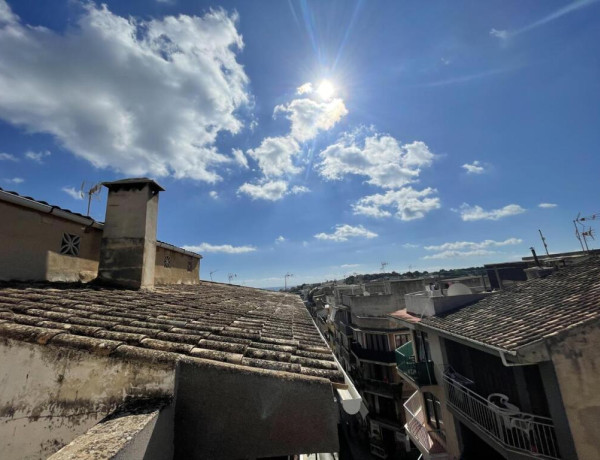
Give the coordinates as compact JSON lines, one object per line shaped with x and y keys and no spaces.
{"x":137,"y":182}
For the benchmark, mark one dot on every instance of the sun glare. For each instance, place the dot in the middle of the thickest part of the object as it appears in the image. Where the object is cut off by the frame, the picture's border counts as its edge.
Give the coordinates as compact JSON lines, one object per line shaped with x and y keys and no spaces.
{"x":325,"y":90}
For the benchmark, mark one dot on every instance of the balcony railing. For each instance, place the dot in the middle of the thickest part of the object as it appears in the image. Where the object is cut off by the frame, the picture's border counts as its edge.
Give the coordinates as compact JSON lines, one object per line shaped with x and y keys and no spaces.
{"x":417,"y":428}
{"x":372,"y":355}
{"x":516,"y":431}
{"x":421,"y":373}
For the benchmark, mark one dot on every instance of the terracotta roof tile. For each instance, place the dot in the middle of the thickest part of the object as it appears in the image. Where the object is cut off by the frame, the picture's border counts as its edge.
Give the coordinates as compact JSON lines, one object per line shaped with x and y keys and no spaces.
{"x":233,"y":324}
{"x":529,"y":311}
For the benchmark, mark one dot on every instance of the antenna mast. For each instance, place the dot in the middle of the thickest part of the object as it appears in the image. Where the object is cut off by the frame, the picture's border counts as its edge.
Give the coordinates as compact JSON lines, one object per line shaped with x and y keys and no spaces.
{"x":383,"y":265}
{"x":211,"y":274}
{"x":91,"y":193}
{"x":231,"y":276}
{"x":544,"y":241}
{"x":585,"y":234}
{"x":287,"y":275}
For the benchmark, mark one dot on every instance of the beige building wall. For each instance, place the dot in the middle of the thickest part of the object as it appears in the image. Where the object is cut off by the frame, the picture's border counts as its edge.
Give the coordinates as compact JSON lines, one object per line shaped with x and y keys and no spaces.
{"x":173,"y":267}
{"x":31,"y":242}
{"x":437,"y":356}
{"x":51,"y":395}
{"x":577,"y":365}
{"x":30,"y":245}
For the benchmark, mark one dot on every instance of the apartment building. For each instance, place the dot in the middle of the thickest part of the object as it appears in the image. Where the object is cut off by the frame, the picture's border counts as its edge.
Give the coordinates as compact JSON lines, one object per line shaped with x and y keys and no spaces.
{"x":506,"y":375}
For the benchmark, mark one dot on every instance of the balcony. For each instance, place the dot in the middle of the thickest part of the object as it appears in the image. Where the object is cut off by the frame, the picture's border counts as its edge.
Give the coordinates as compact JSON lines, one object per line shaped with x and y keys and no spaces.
{"x":501,"y":421}
{"x":421,"y":373}
{"x":364,"y":354}
{"x":428,"y":441}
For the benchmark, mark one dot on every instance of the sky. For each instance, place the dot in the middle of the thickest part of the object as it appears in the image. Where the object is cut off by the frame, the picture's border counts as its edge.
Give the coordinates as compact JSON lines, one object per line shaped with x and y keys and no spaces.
{"x":315,"y":139}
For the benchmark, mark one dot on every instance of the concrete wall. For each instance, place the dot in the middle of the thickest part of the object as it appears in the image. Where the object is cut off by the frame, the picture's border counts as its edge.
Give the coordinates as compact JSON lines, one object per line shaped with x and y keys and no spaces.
{"x":373,"y":305}
{"x":31,"y":243}
{"x":182,"y":268}
{"x":577,"y":365}
{"x":225,"y":412}
{"x":51,"y":395}
{"x":422,"y":304}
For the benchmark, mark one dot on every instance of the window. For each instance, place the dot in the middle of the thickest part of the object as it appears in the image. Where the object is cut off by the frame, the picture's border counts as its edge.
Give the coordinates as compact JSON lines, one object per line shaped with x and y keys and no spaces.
{"x":433,"y":409}
{"x":376,"y":342}
{"x":167,"y":261}
{"x":401,"y":339}
{"x":422,"y":346}
{"x":69,"y":245}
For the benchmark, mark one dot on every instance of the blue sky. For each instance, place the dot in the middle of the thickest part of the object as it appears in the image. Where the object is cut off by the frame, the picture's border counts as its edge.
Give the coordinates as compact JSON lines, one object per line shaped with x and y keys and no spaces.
{"x":313,"y":138}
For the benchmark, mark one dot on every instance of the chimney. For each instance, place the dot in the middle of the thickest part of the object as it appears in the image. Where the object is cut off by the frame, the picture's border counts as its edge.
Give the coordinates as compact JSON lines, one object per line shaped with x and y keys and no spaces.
{"x":128,"y":248}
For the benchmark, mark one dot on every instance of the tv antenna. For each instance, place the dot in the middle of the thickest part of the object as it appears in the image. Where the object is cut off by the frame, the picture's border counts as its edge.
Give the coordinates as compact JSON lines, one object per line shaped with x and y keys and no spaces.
{"x":211,"y":274}
{"x":287,"y":275}
{"x":231,"y":276}
{"x":544,"y":241}
{"x":383,"y":265}
{"x":581,"y":233}
{"x":92,"y":192}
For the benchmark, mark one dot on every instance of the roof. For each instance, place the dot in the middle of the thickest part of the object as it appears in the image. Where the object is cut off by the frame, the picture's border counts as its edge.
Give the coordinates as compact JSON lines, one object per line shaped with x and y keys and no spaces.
{"x":219,"y":322}
{"x":133,"y":182}
{"x":42,"y":206}
{"x":403,"y":315}
{"x":530,"y":311}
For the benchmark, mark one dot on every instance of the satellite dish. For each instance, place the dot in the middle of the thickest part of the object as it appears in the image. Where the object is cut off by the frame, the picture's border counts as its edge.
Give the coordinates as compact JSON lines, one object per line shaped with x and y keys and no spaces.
{"x":458,"y":289}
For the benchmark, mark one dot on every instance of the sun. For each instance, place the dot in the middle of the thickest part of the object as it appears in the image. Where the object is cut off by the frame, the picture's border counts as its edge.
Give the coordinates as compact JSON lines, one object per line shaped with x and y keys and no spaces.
{"x":326,"y":90}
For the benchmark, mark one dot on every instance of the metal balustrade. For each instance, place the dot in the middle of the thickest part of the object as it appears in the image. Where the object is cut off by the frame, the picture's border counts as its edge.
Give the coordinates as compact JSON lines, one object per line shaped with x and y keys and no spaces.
{"x":520,"y":432}
{"x":417,"y":427}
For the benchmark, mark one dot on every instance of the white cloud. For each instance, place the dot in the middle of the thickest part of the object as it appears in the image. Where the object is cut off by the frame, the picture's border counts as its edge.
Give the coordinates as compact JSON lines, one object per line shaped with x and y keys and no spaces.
{"x":474,"y":168}
{"x":271,"y":190}
{"x":501,"y":34}
{"x":410,"y":245}
{"x":343,"y":232}
{"x":275,"y":156}
{"x":380,"y":158}
{"x":299,"y":189}
{"x":38,"y":157}
{"x":140,"y":96}
{"x":547,"y":205}
{"x":14,"y":180}
{"x":350,"y":265}
{"x":280,"y":239}
{"x":458,"y":254}
{"x":73,"y":193}
{"x":220,"y":248}
{"x":214,"y":194}
{"x":308,"y":116}
{"x":406,"y":203}
{"x":240,"y":158}
{"x":7,"y":157}
{"x":468,"y":212}
{"x":470,"y":245}
{"x":306,"y":88}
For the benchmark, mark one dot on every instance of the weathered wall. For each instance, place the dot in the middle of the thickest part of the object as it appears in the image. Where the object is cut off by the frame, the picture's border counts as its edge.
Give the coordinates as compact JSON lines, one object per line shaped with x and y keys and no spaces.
{"x":373,"y":305}
{"x":173,"y":267}
{"x":438,"y":356}
{"x":225,"y":412}
{"x":577,"y":365}
{"x":51,"y":395}
{"x":31,"y":243}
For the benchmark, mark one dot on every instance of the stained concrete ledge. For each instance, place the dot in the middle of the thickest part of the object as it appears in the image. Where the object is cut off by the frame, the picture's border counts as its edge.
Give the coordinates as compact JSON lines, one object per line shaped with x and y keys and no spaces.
{"x":140,"y":431}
